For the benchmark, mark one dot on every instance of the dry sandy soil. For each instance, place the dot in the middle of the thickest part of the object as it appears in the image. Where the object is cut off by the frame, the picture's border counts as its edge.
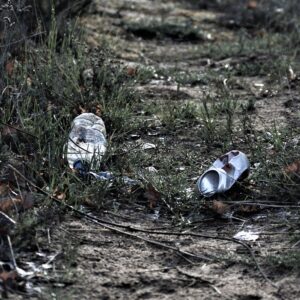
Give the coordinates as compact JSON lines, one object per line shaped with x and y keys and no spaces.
{"x":105,"y":264}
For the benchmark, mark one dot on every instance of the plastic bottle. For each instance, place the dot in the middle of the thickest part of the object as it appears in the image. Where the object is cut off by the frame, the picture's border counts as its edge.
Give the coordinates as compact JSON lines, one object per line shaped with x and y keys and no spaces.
{"x":87,"y":142}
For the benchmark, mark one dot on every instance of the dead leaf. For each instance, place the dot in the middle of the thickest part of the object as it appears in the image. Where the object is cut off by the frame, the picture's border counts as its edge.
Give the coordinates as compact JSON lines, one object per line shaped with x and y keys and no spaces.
{"x":18,"y":203}
{"x":248,"y":209}
{"x":88,"y":202}
{"x":131,"y":71}
{"x":9,"y":203}
{"x":79,"y":110}
{"x":59,"y":195}
{"x":260,"y":33}
{"x":152,"y":195}
{"x":252,"y":4}
{"x":293,"y":168}
{"x":9,"y":281}
{"x":219,"y":207}
{"x":5,"y":276}
{"x":98,"y":110}
{"x":82,"y":109}
{"x":93,"y":107}
{"x":9,"y":67}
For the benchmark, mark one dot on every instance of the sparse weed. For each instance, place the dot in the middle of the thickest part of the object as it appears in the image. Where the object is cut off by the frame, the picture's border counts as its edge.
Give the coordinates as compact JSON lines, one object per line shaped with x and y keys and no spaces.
{"x":59,"y":77}
{"x":46,"y":90}
{"x":167,"y":28}
{"x":177,"y":115}
{"x":285,"y":262}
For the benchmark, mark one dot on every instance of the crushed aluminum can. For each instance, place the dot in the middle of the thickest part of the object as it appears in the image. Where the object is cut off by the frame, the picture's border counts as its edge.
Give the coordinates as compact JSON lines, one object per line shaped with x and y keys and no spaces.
{"x":223,"y":174}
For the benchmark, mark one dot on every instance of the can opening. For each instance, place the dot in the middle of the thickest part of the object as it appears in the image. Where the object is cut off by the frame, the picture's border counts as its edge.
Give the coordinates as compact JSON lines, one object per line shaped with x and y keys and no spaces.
{"x":209,"y":183}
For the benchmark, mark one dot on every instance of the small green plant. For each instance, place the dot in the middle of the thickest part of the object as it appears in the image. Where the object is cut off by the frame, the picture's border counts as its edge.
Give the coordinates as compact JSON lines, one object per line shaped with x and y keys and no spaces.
{"x":176,"y":115}
{"x":50,"y":81}
{"x":286,"y":262}
{"x":174,"y":29}
{"x":209,"y":122}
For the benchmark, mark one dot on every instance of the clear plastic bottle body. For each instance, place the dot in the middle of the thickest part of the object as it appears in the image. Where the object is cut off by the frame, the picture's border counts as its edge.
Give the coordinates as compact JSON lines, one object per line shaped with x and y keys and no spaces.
{"x":87,"y":141}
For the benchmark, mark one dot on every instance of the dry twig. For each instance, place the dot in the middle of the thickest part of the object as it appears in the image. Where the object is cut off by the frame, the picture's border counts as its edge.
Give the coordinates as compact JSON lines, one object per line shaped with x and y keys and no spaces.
{"x":109,"y":225}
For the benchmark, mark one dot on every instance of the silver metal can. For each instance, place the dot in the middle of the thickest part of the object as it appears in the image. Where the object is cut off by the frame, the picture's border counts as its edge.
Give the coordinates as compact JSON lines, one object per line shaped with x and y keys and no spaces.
{"x":223,"y":173}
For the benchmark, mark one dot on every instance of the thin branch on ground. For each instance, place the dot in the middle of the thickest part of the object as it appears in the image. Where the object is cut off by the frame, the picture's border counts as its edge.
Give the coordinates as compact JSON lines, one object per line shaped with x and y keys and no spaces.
{"x":17,"y":129}
{"x":108,"y":225}
{"x":22,"y":39}
{"x":195,"y":276}
{"x":201,"y":279}
{"x":262,"y":204}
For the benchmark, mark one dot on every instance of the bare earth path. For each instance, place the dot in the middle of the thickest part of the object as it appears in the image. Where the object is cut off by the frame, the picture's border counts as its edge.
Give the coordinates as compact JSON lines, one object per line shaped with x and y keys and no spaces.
{"x":108,"y":265}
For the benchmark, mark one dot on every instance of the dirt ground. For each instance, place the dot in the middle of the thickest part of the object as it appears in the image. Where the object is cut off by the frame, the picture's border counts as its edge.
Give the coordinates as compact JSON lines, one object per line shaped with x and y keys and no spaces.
{"x":104,"y":264}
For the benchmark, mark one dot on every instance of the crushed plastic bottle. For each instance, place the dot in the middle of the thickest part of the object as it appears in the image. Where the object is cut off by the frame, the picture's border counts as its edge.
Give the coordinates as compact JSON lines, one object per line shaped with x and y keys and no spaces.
{"x":87,"y":142}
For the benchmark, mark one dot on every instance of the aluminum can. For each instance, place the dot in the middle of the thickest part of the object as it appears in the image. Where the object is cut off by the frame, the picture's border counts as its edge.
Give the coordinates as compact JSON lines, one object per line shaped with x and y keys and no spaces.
{"x":223,"y":173}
